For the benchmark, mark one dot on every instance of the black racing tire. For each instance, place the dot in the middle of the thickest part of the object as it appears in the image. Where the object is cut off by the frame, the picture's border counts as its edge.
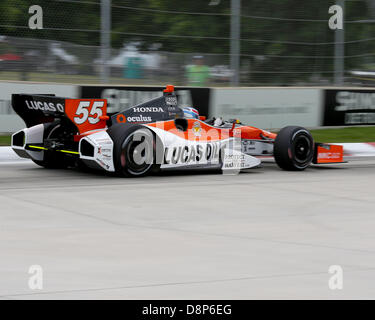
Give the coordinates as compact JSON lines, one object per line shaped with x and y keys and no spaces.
{"x":52,"y":159}
{"x":129,"y":156}
{"x":294,"y":148}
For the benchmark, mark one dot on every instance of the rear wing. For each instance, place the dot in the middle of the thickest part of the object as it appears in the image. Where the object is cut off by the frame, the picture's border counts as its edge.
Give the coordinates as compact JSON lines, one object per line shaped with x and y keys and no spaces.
{"x":85,"y":114}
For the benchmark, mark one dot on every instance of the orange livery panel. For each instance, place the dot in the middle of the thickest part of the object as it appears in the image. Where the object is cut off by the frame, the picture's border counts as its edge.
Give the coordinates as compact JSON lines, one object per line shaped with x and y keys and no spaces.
{"x":87,"y":114}
{"x":328,"y":153}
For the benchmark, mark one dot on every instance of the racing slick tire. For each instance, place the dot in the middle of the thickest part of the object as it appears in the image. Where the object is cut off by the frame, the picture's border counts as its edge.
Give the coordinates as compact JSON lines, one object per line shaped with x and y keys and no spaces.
{"x":51,"y":159}
{"x":131,"y":158}
{"x":294,"y":148}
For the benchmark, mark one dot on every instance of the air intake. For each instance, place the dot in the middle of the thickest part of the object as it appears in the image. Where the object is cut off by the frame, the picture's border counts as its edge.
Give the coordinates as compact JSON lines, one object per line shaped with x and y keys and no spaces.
{"x":18,"y":139}
{"x":87,"y":149}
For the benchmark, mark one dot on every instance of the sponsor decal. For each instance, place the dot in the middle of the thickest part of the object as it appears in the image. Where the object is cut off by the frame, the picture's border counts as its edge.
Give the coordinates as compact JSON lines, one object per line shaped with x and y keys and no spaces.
{"x":105,"y":152}
{"x":139,"y":118}
{"x":197,"y":130}
{"x":354,"y":107}
{"x":327,"y":147}
{"x":104,"y":141}
{"x":121,"y":118}
{"x":104,"y":165}
{"x":347,"y":101}
{"x":329,"y":155}
{"x":195,"y":153}
{"x":234,"y":161}
{"x":44,"y":106}
{"x":171,"y":101}
{"x":121,"y":99}
{"x":148,"y":109}
{"x":248,"y":145}
{"x":359,"y":118}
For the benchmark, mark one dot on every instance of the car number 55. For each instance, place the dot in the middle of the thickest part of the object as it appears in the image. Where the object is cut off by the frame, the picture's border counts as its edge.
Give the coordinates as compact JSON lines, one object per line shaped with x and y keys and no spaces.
{"x":83,"y":114}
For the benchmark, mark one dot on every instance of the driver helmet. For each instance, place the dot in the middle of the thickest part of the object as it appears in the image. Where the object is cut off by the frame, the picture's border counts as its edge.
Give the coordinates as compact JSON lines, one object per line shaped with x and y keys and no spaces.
{"x":191,"y":113}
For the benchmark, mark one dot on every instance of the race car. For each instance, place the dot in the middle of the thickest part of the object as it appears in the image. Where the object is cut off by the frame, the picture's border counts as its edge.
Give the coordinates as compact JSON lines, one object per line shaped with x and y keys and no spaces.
{"x":153,"y":136}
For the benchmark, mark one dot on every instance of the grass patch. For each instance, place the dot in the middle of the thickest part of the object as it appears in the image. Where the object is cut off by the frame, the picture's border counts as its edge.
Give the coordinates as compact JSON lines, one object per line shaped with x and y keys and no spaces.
{"x":351,"y":134}
{"x":5,"y":140}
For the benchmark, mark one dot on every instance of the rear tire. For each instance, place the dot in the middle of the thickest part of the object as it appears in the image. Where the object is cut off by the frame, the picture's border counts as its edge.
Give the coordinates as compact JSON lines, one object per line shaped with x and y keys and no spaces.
{"x":135,"y":152}
{"x":294,"y":148}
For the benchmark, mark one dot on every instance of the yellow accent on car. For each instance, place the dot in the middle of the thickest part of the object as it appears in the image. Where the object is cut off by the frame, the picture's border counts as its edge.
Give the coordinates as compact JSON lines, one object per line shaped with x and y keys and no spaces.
{"x":36,"y":147}
{"x":42,"y":148}
{"x":68,"y":151}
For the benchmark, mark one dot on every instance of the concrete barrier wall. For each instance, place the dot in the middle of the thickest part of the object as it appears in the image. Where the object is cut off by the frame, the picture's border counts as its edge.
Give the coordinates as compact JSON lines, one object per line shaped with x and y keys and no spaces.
{"x":269,"y":107}
{"x":11,"y":122}
{"x":308,"y":107}
{"x":261,"y":107}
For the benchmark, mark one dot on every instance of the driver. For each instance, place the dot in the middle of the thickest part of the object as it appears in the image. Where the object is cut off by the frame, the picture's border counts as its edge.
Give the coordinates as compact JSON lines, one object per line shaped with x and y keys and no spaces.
{"x":191,"y":113}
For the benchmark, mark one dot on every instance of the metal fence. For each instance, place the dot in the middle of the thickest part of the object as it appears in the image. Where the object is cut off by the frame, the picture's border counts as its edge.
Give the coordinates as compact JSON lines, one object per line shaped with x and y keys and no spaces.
{"x":155,"y":42}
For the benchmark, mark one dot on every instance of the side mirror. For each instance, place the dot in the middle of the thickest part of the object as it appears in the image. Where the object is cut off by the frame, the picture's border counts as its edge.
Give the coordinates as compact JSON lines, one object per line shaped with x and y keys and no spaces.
{"x":181,"y":124}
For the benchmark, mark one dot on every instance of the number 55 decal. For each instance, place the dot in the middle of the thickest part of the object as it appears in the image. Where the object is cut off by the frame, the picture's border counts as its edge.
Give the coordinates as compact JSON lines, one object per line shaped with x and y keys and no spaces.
{"x":87,"y":114}
{"x":83,"y":114}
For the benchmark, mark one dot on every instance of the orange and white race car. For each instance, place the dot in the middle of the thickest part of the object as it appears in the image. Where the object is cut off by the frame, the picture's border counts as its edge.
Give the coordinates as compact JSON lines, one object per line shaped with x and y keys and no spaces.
{"x":152,"y":136}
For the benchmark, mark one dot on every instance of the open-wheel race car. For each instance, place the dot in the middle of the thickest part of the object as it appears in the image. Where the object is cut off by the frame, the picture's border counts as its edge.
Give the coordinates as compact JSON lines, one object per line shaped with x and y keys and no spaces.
{"x":153,"y":136}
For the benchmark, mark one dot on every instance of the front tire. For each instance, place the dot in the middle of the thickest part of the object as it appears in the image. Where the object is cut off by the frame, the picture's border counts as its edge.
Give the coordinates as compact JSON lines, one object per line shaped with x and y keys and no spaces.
{"x":294,"y":148}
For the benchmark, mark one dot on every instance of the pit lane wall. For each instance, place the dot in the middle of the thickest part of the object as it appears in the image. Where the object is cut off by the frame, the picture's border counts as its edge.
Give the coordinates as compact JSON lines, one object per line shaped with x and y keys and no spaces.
{"x":268,"y":107}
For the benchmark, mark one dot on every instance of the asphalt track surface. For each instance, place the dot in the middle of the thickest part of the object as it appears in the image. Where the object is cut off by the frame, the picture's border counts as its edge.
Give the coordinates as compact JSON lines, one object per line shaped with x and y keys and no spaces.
{"x":263,"y":234}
